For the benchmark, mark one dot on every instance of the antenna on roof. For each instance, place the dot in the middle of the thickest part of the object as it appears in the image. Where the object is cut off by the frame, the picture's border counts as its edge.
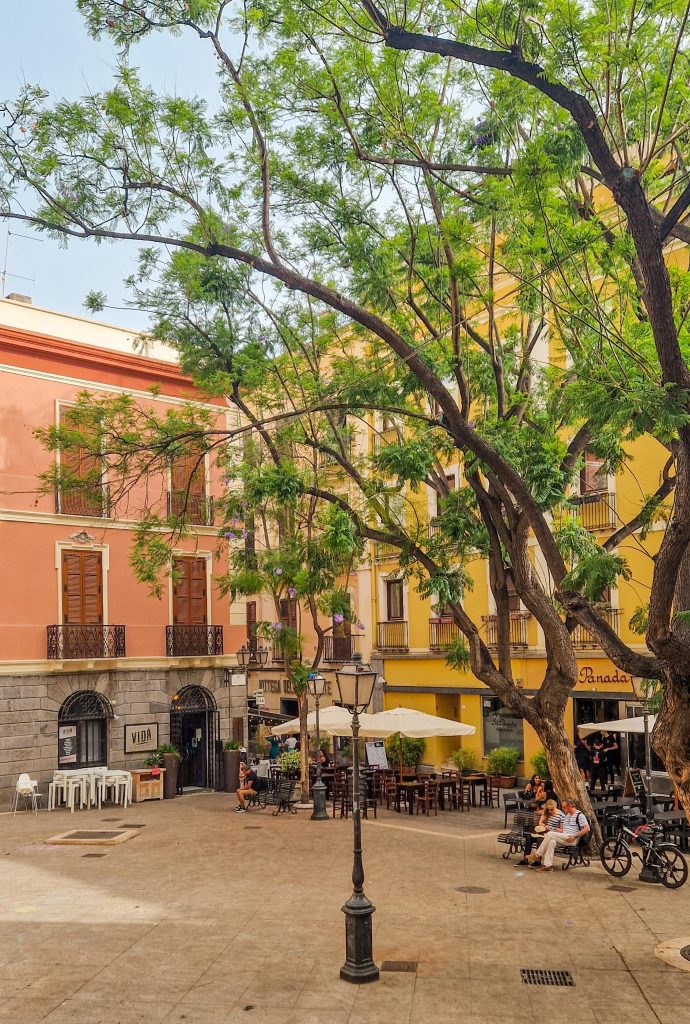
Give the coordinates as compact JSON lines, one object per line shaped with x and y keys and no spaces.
{"x":5,"y":272}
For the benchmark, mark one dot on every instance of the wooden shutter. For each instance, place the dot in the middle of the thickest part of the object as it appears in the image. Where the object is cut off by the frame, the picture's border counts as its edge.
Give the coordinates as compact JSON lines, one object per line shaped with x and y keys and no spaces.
{"x":188,"y":486}
{"x":80,"y":463}
{"x":288,"y":611}
{"x":189,"y":592}
{"x":251,"y":619}
{"x":82,"y":587}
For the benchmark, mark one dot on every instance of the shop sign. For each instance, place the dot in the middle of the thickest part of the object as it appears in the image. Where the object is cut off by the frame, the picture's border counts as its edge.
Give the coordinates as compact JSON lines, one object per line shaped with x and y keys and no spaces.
{"x":589,"y":677}
{"x":141,"y":738}
{"x":286,"y":686}
{"x":67,"y":744}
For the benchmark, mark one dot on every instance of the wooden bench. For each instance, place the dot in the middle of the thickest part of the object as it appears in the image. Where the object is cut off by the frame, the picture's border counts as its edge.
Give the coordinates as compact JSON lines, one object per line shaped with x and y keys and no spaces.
{"x":515,"y":838}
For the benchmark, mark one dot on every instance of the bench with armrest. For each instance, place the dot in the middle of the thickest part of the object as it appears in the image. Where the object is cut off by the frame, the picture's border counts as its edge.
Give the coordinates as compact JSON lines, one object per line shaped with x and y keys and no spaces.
{"x":576,"y":854}
{"x":515,"y":838}
{"x":279,"y":793}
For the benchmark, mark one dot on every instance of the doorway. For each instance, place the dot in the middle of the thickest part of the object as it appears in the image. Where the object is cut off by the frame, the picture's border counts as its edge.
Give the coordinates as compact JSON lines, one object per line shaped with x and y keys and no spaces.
{"x":194,"y":731}
{"x":595,"y":709}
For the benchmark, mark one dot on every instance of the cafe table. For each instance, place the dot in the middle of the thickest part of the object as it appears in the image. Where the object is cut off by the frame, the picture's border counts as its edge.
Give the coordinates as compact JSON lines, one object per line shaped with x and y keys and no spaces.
{"x":475,"y":780}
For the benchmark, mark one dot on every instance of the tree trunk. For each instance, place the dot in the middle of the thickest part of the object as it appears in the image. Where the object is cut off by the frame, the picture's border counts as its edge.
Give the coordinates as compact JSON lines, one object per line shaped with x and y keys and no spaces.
{"x":563,"y":769}
{"x":303,"y":701}
{"x":671,"y":735}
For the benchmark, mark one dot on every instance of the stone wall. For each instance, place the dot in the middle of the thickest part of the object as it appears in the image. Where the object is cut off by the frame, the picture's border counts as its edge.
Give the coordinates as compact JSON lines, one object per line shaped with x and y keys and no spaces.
{"x":29,"y":707}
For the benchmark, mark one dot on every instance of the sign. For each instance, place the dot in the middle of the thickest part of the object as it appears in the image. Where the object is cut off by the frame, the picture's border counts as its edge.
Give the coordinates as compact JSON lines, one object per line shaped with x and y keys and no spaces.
{"x":141,"y":738}
{"x":257,"y":694}
{"x":635,"y":784}
{"x":589,"y":677}
{"x":376,"y":754}
{"x":237,"y":680}
{"x":67,"y":744}
{"x":260,"y":700}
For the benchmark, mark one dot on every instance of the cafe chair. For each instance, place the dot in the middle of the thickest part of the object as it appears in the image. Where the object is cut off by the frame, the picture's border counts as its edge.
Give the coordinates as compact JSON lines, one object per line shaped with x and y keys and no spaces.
{"x":491,"y":796}
{"x":427,"y":798}
{"x":26,"y":789}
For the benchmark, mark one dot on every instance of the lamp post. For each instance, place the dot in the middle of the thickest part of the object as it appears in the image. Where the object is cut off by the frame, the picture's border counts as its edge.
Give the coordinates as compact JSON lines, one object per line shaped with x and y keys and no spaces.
{"x":355,"y":687}
{"x":648,"y":874}
{"x":248,"y":656}
{"x":317,"y":688}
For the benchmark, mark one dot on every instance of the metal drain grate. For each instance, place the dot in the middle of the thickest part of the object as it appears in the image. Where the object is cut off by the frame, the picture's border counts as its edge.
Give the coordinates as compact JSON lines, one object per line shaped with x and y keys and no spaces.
{"x":93,"y":855}
{"x":474,"y":889}
{"x":621,"y":888}
{"x":133,"y":826}
{"x":111,"y":819}
{"x":400,"y":966}
{"x":538,"y":976}
{"x":252,"y":828}
{"x":90,"y":834}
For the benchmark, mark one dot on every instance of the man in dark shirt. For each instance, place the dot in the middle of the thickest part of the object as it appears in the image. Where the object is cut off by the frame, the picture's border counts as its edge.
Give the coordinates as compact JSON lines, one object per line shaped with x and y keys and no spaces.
{"x":248,"y":786}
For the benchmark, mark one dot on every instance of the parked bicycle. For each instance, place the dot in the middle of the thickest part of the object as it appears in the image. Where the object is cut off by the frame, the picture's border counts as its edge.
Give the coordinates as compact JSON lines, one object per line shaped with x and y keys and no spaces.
{"x":665,"y":859}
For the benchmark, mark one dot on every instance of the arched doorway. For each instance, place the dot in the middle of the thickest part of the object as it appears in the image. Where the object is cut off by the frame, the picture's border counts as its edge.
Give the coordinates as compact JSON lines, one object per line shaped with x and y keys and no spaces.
{"x":83,"y":730}
{"x":194,"y":731}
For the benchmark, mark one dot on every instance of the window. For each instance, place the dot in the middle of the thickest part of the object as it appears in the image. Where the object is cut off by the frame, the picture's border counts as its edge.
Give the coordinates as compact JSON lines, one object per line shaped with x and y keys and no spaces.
{"x":593,"y":476}
{"x":451,"y":484}
{"x":288,"y":612}
{"x":87,"y":495}
{"x":252,"y":640}
{"x":82,"y":588}
{"x":187,"y":497}
{"x":394,"y":600}
{"x":83,"y":730}
{"x":189,"y":592}
{"x":513,"y":596}
{"x":502,"y":727}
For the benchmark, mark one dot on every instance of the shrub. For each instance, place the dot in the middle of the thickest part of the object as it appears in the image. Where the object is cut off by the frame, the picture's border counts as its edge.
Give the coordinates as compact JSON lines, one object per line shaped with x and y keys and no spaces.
{"x":156,"y":758}
{"x":503,"y":760}
{"x":465,"y":760}
{"x":540,"y":764}
{"x":412,"y":750}
{"x":231,"y":745}
{"x":290,"y":761}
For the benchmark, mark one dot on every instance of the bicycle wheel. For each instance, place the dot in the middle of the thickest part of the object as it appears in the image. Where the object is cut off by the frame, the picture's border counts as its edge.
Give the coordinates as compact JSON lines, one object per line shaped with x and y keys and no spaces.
{"x":616,"y":858}
{"x":670,"y":865}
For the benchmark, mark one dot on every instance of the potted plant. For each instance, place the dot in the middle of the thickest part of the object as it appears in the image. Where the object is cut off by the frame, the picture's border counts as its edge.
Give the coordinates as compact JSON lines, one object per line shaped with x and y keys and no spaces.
{"x":231,"y":766}
{"x":169,"y":758}
{"x":540,"y":764}
{"x":291,"y":762}
{"x":502,"y":762}
{"x":464,"y":760}
{"x":404,"y":752}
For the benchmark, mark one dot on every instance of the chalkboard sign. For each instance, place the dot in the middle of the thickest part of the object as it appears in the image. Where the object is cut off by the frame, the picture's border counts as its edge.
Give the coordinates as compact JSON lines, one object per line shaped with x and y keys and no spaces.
{"x":635,"y":784}
{"x":376,"y":754}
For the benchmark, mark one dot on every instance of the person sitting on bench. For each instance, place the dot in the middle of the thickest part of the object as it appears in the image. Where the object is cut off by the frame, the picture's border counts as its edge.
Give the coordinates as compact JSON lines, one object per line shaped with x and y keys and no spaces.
{"x":249,"y":785}
{"x":549,"y":821}
{"x":573,"y":826}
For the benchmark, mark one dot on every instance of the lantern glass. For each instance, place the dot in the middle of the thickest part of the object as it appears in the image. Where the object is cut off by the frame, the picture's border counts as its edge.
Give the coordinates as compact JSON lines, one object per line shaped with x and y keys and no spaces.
{"x":244,"y":656}
{"x":317,"y":684}
{"x":356,"y":681}
{"x":261,"y":656}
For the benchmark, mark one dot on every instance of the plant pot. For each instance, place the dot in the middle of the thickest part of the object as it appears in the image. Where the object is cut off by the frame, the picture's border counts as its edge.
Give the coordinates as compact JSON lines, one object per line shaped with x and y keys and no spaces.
{"x":507,"y":781}
{"x":171,"y":763}
{"x":231,"y":770}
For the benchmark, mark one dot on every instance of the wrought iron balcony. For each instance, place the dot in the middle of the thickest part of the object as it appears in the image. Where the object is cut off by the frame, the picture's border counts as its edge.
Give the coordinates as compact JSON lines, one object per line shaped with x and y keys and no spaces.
{"x":385,"y":438}
{"x":442,"y":633}
{"x":583,"y":639}
{"x":86,"y":640}
{"x":392,"y":636}
{"x":87,"y":501}
{"x":339,"y":648}
{"x":596,"y":511}
{"x":518,"y":630}
{"x":193,"y":641}
{"x":434,"y":526}
{"x":386,"y":552}
{"x":195,"y":508}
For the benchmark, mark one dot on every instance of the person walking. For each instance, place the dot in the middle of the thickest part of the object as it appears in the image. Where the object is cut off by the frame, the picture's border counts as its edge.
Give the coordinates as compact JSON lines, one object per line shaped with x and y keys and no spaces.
{"x":573,"y":827}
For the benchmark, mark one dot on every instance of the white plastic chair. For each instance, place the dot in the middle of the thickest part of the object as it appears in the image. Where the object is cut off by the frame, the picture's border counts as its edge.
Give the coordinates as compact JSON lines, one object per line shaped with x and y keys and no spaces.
{"x":119,"y":784}
{"x":57,"y":790}
{"x":26,"y":788}
{"x":76,"y":783}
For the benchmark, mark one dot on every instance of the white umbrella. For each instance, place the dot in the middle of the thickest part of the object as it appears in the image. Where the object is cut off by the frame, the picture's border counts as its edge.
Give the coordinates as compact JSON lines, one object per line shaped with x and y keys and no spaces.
{"x":333,"y":715}
{"x":635,"y":725}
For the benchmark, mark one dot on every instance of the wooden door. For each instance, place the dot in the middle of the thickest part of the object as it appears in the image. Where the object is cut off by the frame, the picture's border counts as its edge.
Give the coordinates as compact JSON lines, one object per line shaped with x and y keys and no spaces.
{"x":189,"y":592}
{"x":188,"y":488}
{"x":80,"y":464}
{"x":82,"y":587}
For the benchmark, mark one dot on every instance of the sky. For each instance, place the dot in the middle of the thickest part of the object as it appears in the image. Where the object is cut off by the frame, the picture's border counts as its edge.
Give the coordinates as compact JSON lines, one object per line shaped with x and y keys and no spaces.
{"x":45,"y":42}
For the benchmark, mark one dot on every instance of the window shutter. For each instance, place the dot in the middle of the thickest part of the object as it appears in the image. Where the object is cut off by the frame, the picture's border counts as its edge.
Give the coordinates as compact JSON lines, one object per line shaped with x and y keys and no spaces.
{"x":180,"y":591}
{"x":80,"y":463}
{"x":197,"y":590}
{"x":82,"y":587}
{"x":251,"y":618}
{"x":188,"y":484}
{"x":71,"y":586}
{"x":92,"y":586}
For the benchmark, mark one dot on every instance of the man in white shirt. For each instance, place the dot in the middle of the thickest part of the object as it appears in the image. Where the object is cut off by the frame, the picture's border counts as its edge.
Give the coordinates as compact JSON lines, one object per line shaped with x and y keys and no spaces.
{"x":291,"y":742}
{"x":573,"y":826}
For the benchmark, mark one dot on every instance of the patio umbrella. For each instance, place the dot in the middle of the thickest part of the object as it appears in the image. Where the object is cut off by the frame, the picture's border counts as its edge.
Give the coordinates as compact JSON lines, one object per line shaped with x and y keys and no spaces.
{"x":333,"y":715}
{"x":642,"y":725}
{"x":404,"y":722}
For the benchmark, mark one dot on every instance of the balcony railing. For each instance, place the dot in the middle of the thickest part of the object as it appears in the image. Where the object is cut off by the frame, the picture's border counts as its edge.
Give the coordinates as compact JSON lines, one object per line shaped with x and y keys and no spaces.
{"x":192,"y":641}
{"x":386,"y":552}
{"x":195,"y":508}
{"x":277,"y":653}
{"x":392,"y":636}
{"x":596,"y":511}
{"x":582,"y":638}
{"x":86,"y":640}
{"x":385,"y":438}
{"x":518,"y":630}
{"x":442,"y":633}
{"x":89,"y":501}
{"x":434,"y":526}
{"x":339,"y":648}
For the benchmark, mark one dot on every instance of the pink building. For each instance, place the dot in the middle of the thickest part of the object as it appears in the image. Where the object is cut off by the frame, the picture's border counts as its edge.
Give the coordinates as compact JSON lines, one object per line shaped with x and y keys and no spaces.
{"x":86,"y":653}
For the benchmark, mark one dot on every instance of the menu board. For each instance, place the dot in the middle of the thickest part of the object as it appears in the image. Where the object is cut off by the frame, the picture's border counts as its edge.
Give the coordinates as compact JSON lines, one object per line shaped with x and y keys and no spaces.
{"x":635,"y":784}
{"x":376,"y":754}
{"x":67,"y":744}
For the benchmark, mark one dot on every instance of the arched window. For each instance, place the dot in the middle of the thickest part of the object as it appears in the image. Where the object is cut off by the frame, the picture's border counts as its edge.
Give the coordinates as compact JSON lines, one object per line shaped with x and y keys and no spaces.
{"x":83,"y":730}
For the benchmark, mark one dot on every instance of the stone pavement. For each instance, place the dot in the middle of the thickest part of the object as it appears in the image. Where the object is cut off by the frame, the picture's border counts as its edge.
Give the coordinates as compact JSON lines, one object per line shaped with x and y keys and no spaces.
{"x":210,"y":917}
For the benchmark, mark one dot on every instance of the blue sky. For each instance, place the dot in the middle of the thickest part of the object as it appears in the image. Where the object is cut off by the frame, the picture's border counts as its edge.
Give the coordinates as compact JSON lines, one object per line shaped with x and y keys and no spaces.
{"x":45,"y":42}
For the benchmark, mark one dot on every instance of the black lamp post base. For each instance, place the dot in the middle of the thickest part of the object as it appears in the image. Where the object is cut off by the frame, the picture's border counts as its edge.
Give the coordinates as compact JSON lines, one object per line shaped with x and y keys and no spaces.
{"x":359,"y":967}
{"x":649,"y":875}
{"x":318,"y":792}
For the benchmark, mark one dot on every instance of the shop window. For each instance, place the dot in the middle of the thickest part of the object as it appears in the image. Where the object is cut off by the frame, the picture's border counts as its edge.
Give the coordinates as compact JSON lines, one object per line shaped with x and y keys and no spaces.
{"x":83,"y":730}
{"x":502,"y":727}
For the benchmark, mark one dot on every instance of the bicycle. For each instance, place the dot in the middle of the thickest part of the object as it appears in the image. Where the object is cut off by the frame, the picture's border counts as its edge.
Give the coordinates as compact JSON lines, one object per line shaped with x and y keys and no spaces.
{"x":665,"y":859}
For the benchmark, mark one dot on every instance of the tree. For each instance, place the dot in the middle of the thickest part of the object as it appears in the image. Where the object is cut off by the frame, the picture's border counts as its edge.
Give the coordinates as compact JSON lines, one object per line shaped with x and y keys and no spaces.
{"x":379,"y":205}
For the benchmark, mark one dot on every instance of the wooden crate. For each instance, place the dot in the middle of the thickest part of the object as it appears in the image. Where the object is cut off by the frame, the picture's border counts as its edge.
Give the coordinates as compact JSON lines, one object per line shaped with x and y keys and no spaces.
{"x":146,"y":785}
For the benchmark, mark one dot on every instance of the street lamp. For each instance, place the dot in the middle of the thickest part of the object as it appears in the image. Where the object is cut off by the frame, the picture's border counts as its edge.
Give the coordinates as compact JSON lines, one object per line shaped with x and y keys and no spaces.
{"x":248,"y":656}
{"x":317,"y":688}
{"x":355,"y":686}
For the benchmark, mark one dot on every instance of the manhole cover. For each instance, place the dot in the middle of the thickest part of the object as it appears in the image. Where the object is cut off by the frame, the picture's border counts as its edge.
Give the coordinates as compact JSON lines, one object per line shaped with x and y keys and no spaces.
{"x":400,"y":966}
{"x":252,"y":828}
{"x":621,"y":888}
{"x":93,"y":855}
{"x":474,"y":889}
{"x":111,"y":819}
{"x":685,"y":952}
{"x":539,"y":976}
